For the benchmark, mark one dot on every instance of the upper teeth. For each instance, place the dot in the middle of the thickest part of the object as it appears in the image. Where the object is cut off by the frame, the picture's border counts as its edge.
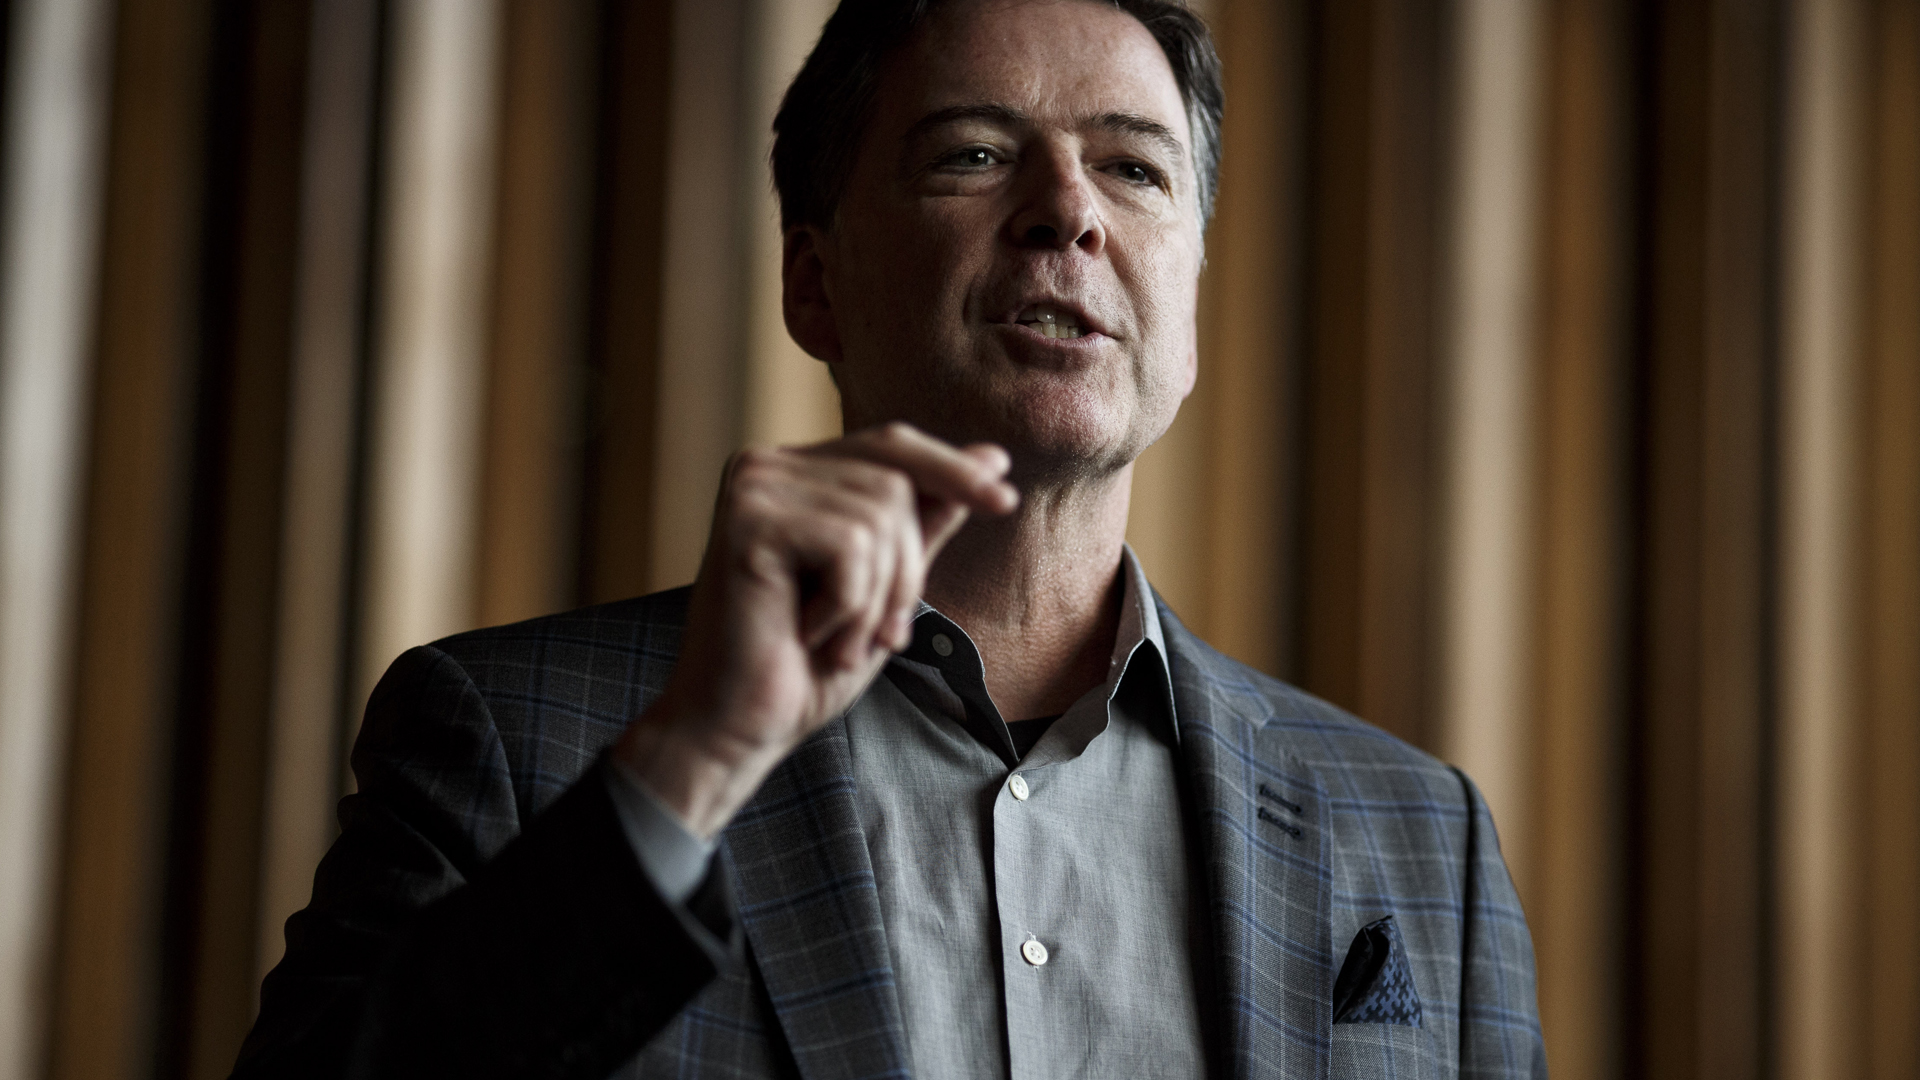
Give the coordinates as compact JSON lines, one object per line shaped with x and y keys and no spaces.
{"x":1051,"y":321}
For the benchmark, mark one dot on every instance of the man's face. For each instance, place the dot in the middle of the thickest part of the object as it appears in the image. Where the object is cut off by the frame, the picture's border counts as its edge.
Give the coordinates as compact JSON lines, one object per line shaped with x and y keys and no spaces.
{"x":1015,"y":256}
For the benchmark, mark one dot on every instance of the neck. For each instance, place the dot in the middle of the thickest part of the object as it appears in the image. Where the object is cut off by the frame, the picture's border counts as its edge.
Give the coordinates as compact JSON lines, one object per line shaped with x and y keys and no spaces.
{"x":1039,"y":592}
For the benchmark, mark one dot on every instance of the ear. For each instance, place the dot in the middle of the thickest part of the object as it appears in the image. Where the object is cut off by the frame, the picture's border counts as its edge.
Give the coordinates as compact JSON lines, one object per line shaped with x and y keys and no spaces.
{"x":805,"y":300}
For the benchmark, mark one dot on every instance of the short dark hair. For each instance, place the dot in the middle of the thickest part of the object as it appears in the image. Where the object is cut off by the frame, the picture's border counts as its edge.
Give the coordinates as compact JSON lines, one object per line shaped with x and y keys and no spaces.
{"x":826,"y":109}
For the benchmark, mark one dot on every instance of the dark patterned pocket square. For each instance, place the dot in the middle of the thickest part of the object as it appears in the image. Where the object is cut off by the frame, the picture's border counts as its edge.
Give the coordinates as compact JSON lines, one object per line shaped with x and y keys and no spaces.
{"x":1375,"y":984}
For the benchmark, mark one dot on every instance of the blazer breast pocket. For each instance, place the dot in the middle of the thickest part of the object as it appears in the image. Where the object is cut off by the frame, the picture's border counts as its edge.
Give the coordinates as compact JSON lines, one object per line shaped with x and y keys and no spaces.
{"x":1373,"y":1051}
{"x":1378,"y":1027}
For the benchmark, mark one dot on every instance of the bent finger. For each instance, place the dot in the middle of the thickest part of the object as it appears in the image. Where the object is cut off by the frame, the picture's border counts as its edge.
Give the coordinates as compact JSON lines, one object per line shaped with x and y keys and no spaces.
{"x":975,"y":475}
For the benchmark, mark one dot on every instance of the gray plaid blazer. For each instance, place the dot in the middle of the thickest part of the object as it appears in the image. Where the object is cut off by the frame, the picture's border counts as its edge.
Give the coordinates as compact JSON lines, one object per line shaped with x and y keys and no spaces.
{"x":481,"y":913}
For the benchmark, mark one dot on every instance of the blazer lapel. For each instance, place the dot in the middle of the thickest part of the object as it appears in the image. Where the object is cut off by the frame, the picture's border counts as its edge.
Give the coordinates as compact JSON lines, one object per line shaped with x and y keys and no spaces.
{"x":812,"y":918}
{"x":1264,"y":833}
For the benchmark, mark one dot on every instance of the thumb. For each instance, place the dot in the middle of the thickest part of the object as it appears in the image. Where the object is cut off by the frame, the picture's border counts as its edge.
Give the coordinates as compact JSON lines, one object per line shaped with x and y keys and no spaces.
{"x":939,"y":521}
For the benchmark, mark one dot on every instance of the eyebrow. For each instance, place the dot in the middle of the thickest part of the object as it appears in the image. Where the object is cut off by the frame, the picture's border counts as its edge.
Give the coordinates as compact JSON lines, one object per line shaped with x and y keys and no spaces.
{"x":1145,"y":126}
{"x":1116,"y":122}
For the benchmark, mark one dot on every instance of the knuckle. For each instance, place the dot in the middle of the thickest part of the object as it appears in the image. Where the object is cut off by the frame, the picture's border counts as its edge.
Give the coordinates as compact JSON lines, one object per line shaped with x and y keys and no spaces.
{"x":751,"y":469}
{"x":751,"y":500}
{"x":885,"y":523}
{"x":878,"y":485}
{"x":761,"y":561}
{"x":895,"y":487}
{"x":857,"y":540}
{"x":753,"y":457}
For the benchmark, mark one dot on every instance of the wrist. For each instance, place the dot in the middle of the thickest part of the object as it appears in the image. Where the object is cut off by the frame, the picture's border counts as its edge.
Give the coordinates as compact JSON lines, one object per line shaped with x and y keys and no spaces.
{"x":703,"y":784}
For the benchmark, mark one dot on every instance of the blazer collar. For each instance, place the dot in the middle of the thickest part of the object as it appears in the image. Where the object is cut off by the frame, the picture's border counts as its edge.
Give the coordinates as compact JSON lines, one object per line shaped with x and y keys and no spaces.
{"x":805,"y":887}
{"x":1263,"y":837}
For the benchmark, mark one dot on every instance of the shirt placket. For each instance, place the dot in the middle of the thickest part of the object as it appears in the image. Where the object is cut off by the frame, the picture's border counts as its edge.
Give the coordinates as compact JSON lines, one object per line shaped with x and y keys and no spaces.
{"x":1040,"y":959}
{"x":1030,"y":943}
{"x":1032,"y":953}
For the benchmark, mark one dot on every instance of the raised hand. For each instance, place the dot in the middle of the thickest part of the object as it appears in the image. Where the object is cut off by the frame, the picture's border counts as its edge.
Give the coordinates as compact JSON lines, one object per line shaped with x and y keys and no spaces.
{"x":816,"y":561}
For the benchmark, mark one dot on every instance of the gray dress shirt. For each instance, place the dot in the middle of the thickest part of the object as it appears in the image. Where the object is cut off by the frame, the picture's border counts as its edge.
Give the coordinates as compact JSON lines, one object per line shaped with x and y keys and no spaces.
{"x":1037,"y":910}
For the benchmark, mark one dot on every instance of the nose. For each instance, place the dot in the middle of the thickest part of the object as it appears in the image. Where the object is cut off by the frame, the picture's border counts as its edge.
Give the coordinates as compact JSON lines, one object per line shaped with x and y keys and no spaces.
{"x":1058,"y":209}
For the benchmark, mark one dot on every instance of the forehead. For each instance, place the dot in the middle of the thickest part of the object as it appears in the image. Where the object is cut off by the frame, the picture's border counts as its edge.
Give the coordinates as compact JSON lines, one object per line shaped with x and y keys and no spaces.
{"x":1056,"y":60}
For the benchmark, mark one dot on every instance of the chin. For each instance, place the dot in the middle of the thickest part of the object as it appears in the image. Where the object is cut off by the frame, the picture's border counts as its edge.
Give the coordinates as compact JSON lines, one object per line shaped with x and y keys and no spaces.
{"x":1069,"y":440}
{"x":1054,"y":423}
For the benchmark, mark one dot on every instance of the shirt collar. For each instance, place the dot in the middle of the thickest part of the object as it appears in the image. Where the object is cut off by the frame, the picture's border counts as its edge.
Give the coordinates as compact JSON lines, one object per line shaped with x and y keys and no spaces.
{"x":1139,"y":628}
{"x":1139,"y":615}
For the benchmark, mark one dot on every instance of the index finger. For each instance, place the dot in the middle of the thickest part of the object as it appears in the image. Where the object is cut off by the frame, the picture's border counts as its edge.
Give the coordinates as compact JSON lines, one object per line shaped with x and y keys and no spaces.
{"x":974,"y":476}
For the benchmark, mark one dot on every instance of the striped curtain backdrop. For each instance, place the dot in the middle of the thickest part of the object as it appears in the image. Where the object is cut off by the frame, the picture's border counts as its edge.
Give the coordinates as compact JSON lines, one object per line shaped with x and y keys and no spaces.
{"x":1559,"y":411}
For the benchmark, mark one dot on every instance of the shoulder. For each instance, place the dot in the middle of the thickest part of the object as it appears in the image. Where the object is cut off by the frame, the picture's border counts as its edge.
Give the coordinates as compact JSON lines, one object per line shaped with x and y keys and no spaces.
{"x":1392,"y":808}
{"x":598,"y":666}
{"x":1343,"y":750}
{"x":635,"y":632}
{"x":537,"y":699}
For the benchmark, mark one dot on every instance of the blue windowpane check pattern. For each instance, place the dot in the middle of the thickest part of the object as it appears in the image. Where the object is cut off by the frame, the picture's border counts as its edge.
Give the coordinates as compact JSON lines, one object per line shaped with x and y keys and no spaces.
{"x":1309,"y":826}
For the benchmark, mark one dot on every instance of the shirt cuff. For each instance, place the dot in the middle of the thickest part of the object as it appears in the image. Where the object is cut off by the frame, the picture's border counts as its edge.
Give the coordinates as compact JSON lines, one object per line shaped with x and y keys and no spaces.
{"x":673,"y":858}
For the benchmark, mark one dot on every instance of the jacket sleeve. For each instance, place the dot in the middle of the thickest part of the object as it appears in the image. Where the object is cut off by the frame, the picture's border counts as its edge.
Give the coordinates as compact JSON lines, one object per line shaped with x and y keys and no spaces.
{"x":444,"y":938}
{"x":1499,"y":1010}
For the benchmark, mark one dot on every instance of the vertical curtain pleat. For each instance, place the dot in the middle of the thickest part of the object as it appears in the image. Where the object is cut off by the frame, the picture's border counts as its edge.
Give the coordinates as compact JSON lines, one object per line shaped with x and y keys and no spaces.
{"x":1819,"y":730}
{"x":328,"y":342}
{"x":536,"y":371}
{"x":57,"y":52}
{"x":427,"y":398}
{"x":1573,"y":890}
{"x":1487,"y":405}
{"x":110,"y":943}
{"x":1889,"y":827}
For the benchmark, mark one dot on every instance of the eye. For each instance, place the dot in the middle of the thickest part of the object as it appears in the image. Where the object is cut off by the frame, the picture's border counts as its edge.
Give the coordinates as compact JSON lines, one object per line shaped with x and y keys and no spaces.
{"x":1135,"y":173}
{"x":970,"y":157}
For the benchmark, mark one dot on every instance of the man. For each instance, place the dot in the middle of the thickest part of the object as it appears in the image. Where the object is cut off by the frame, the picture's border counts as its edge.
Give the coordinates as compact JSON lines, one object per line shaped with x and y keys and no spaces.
{"x":802,"y":821}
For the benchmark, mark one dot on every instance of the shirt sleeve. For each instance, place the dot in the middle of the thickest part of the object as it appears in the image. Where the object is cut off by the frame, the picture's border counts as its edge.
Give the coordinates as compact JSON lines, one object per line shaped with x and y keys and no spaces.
{"x":674,"y":859}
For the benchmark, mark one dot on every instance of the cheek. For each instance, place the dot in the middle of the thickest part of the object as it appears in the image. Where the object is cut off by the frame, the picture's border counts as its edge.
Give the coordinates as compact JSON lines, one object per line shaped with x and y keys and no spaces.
{"x":898,"y":290}
{"x":1168,"y":291}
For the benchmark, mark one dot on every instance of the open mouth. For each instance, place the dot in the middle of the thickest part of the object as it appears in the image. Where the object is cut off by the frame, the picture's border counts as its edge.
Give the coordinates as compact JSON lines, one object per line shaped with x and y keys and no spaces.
{"x":1051,"y":321}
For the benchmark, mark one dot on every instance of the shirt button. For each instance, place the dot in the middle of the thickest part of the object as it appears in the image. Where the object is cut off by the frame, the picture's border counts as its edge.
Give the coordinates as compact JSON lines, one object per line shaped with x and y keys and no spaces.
{"x":1018,"y":785}
{"x":943,"y":644}
{"x":1033,"y":952}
